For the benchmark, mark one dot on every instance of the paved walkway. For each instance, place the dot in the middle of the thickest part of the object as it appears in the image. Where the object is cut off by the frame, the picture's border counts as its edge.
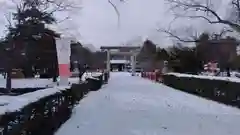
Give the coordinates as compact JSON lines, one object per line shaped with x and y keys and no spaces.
{"x":135,"y":106}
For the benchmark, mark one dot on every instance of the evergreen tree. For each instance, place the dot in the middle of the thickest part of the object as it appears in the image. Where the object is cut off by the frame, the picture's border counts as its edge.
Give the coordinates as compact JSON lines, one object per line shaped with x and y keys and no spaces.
{"x":148,"y":51}
{"x":185,"y":60}
{"x":30,"y":35}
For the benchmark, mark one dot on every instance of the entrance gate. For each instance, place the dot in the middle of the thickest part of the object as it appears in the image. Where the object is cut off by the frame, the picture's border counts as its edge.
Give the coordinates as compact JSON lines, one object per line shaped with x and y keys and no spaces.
{"x":130,"y":51}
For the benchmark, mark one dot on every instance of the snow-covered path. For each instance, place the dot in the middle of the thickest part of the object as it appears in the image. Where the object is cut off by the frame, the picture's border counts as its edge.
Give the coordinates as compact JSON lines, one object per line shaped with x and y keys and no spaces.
{"x":135,"y":106}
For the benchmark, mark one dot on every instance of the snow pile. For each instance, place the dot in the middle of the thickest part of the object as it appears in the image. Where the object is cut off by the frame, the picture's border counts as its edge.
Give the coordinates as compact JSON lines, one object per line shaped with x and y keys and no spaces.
{"x":73,"y":80}
{"x":1,"y":76}
{"x":15,"y":103}
{"x":230,"y":79}
{"x":90,"y":75}
{"x":235,"y":74}
{"x":131,"y":105}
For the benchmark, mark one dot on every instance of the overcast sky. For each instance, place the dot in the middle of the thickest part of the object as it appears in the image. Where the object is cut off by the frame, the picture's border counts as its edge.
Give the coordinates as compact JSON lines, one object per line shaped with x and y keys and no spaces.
{"x":96,"y":23}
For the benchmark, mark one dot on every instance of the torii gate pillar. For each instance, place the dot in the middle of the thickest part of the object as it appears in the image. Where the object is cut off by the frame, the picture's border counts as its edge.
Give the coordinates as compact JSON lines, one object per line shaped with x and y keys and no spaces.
{"x":133,"y":64}
{"x":108,"y":61}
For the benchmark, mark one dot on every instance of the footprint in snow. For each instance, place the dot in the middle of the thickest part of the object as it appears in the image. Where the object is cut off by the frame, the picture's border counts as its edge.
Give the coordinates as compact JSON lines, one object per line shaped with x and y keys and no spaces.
{"x":107,"y":97}
{"x":164,"y":128}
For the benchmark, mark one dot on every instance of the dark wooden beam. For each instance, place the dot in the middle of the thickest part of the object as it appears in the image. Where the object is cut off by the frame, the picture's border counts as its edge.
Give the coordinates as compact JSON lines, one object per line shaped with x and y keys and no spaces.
{"x":120,"y":47}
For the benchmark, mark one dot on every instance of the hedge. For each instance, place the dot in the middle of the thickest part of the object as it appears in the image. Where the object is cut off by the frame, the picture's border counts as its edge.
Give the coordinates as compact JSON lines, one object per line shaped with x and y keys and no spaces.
{"x":20,"y":91}
{"x":46,"y":115}
{"x":223,"y":91}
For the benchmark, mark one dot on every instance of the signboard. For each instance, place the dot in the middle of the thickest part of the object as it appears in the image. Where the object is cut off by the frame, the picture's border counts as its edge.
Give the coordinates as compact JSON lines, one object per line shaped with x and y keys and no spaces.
{"x":63,"y":50}
{"x":63,"y":54}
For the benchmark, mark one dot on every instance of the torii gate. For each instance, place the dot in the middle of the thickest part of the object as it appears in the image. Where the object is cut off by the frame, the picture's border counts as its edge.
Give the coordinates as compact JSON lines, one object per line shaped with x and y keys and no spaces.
{"x":122,"y":50}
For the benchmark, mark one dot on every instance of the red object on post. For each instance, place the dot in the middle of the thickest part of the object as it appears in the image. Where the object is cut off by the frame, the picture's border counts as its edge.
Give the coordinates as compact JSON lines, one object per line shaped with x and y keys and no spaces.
{"x":64,"y":70}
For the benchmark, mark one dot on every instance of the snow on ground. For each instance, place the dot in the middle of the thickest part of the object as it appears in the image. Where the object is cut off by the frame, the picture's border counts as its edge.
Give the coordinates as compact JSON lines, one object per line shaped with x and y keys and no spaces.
{"x":40,"y":83}
{"x":33,"y":83}
{"x":230,"y":79}
{"x":235,"y":74}
{"x":134,"y":106}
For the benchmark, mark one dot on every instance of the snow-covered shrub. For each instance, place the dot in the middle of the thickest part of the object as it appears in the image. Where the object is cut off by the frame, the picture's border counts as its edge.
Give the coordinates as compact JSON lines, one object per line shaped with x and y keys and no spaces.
{"x":221,"y":90}
{"x":43,"y":112}
{"x":95,"y":82}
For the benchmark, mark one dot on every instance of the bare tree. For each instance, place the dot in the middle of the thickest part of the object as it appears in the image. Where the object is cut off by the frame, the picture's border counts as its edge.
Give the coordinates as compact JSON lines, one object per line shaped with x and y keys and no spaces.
{"x":116,"y":10}
{"x":223,"y":33}
{"x":204,"y":9}
{"x":188,"y":34}
{"x":191,"y":35}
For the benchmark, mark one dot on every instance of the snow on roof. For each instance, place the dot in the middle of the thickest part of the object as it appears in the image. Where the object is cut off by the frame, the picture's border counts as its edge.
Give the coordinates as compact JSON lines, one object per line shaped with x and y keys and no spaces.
{"x":119,"y":61}
{"x":230,"y":79}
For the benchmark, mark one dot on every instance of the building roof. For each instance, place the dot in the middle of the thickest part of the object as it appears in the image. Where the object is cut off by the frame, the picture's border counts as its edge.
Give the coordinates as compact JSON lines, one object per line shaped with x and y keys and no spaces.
{"x":119,"y":61}
{"x":120,"y":47}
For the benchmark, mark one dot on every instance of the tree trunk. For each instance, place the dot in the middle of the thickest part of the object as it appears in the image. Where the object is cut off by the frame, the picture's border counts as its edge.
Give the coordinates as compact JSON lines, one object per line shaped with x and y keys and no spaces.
{"x":28,"y":71}
{"x":81,"y":71}
{"x":55,"y":66}
{"x":55,"y":73}
{"x":9,"y":78}
{"x":228,"y":72}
